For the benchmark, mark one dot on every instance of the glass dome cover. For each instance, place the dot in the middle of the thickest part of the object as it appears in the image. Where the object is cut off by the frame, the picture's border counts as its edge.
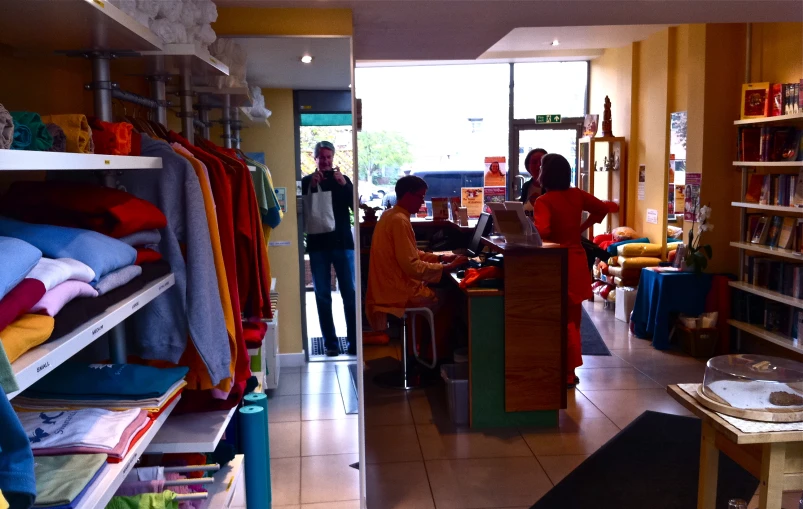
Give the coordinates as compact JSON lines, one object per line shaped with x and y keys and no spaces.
{"x":755,"y":382}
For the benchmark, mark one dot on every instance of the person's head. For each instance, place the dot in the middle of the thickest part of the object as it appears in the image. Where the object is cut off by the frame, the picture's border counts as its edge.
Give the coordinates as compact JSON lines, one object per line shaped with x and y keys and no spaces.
{"x":532,"y":163}
{"x":494,"y":168}
{"x":410,"y":192}
{"x":556,"y":173}
{"x":324,"y":153}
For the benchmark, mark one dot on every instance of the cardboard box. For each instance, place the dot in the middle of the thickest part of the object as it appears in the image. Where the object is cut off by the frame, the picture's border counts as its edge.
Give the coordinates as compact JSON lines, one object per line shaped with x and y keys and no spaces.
{"x":625,"y":300}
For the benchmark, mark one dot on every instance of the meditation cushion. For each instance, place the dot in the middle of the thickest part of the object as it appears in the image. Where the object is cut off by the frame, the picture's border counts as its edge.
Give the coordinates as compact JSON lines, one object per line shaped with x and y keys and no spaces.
{"x":629,"y":273}
{"x":623,"y":233}
{"x":639,"y":249}
{"x":638,"y":262}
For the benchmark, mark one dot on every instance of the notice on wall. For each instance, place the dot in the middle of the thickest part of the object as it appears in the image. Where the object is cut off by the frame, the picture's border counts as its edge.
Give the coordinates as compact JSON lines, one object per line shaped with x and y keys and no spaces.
{"x":692,"y":196}
{"x":652,"y":216}
{"x":278,"y":243}
{"x":642,"y":182}
{"x":472,"y":200}
{"x":281,"y":197}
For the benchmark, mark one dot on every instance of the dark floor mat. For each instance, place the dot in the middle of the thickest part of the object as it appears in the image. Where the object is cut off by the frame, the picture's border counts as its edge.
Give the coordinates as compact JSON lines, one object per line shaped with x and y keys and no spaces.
{"x":591,"y":341}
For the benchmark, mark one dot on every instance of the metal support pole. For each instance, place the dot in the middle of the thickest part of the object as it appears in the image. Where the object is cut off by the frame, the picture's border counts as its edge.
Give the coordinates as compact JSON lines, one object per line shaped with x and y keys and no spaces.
{"x":158,"y":80}
{"x":102,"y":85}
{"x":235,"y":127}
{"x":203,"y":113}
{"x":226,"y":121}
{"x":187,"y":114}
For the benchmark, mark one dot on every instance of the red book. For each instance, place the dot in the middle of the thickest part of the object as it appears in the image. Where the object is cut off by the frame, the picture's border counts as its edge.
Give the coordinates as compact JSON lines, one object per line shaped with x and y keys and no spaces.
{"x":753,"y":194}
{"x":751,"y":144}
{"x":776,"y":103}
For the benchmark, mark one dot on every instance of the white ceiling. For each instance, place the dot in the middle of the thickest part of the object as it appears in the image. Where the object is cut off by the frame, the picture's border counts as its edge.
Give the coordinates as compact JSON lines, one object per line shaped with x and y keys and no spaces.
{"x":466,"y":29}
{"x":273,"y":62}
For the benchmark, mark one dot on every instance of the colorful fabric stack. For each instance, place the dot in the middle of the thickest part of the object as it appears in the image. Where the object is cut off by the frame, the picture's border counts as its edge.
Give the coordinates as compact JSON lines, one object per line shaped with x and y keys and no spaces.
{"x":63,"y":481}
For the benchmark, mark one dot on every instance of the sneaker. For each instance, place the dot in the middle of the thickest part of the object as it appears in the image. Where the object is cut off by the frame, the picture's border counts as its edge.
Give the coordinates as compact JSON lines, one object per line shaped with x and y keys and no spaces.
{"x":332,"y":352}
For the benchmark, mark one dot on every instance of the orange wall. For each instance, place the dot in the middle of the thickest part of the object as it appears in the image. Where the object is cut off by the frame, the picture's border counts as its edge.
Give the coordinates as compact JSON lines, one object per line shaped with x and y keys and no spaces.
{"x":777,"y":52}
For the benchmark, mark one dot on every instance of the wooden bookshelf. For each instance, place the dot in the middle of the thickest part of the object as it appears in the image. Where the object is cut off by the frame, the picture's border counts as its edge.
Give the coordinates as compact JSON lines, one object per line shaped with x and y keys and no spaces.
{"x":797,"y":117}
{"x":769,"y":164}
{"x":771,"y":208}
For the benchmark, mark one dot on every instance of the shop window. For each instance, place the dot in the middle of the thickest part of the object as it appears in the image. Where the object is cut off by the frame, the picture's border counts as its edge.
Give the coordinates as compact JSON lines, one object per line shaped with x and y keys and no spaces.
{"x":545,"y":88}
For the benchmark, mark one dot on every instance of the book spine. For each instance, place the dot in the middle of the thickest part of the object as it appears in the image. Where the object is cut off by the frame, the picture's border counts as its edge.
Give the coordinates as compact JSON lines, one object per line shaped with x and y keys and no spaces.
{"x":790,"y":196}
{"x":776,"y":179}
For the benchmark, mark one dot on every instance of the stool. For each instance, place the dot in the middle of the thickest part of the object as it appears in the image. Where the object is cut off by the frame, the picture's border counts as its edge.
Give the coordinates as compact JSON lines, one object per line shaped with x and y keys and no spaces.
{"x":402,"y":379}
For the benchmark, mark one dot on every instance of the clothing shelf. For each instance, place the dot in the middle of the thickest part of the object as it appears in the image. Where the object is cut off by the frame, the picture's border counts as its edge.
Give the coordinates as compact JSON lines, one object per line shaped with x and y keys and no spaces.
{"x":103,"y":489}
{"x":73,"y":25}
{"x":767,"y":294}
{"x":766,"y":120}
{"x":227,"y":481}
{"x":774,"y":208}
{"x":772,"y":337}
{"x":201,"y":62}
{"x":758,"y":248}
{"x":38,"y":362}
{"x":191,"y":433}
{"x":239,"y":96}
{"x":14,"y":160}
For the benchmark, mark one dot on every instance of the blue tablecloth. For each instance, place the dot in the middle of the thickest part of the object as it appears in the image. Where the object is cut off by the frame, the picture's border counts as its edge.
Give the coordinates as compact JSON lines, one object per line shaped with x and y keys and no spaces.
{"x":662,"y":294}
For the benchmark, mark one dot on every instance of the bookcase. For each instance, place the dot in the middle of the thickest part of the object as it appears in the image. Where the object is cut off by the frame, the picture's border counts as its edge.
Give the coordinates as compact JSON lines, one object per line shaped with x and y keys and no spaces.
{"x":603,"y":173}
{"x":768,"y":297}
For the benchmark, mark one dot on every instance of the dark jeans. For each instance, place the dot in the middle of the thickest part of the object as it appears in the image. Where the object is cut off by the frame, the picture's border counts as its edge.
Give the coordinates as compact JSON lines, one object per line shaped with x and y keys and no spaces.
{"x":321,"y":263}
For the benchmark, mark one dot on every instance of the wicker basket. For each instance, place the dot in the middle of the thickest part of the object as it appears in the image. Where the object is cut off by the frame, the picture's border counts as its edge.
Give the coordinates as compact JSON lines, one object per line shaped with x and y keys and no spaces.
{"x":697,"y":342}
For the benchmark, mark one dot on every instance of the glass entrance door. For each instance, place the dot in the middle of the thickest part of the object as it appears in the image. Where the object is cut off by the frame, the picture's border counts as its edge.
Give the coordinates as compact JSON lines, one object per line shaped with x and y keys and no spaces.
{"x":560,"y":138}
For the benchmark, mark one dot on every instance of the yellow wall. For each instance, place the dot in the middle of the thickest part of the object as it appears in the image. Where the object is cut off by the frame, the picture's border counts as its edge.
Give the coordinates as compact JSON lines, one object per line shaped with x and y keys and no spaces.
{"x":282,"y":21}
{"x":777,"y":52}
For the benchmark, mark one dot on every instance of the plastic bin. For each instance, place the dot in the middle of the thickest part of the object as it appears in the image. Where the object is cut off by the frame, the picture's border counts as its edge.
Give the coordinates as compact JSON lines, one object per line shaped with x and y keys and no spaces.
{"x":456,"y":378}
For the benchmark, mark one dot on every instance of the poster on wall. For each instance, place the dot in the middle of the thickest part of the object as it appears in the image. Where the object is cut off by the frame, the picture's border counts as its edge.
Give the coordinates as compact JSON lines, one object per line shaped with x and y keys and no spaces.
{"x":692,"y":195}
{"x":472,"y":200}
{"x":642,"y":182}
{"x":495,"y":172}
{"x":670,"y":203}
{"x":493,"y":195}
{"x":680,"y":198}
{"x":281,"y":197}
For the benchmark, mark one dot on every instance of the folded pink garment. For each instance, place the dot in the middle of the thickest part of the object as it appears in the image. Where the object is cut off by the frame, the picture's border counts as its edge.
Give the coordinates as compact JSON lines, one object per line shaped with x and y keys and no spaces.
{"x":54,"y":272}
{"x":58,"y":297}
{"x":118,"y":453}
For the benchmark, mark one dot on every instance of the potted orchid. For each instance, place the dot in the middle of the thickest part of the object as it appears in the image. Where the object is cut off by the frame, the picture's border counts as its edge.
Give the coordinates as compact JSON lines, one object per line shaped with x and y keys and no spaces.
{"x":697,"y":255}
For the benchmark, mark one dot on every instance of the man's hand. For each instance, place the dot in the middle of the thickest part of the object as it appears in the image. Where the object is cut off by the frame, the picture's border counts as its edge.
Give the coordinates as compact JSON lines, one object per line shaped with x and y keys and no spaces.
{"x":448,"y":257}
{"x":458,"y":261}
{"x":316,"y":179}
{"x":339,"y":178}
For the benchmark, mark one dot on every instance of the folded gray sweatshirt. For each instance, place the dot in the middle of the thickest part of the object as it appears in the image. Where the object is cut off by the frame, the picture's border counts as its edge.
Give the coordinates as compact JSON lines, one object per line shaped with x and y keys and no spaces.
{"x":193,"y":305}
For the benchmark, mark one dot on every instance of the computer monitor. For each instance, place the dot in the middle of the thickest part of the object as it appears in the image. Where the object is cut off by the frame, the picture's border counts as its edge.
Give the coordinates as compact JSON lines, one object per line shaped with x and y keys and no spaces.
{"x":483,"y":228}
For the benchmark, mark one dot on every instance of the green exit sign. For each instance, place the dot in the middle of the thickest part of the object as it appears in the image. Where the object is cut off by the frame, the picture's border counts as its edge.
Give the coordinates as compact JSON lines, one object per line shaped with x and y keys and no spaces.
{"x":547,"y":119}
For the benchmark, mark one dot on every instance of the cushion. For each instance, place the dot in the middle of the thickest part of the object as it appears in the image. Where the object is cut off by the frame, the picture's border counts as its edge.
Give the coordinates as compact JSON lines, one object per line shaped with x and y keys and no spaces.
{"x":639,"y":249}
{"x":638,"y":262}
{"x":624,"y":233}
{"x":618,"y":281}
{"x":612,"y":249}
{"x":672,"y":246}
{"x":628,"y":273}
{"x":17,"y":258}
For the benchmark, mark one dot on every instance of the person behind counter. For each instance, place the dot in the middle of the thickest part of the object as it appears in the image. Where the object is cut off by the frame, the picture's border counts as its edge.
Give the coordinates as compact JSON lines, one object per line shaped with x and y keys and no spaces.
{"x":558,"y":215}
{"x":531,"y":189}
{"x":398,"y":272}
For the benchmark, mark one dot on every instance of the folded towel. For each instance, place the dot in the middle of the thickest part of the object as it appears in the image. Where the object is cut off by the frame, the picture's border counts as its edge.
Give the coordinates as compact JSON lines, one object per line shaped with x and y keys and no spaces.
{"x":20,"y":300}
{"x":102,"y":209}
{"x":76,"y":129}
{"x":17,"y":258}
{"x":59,"y":138}
{"x":24,"y":333}
{"x":62,"y":480}
{"x":146,"y":255}
{"x":54,"y":272}
{"x":149,"y":7}
{"x":6,"y":128}
{"x":117,"y":278}
{"x":170,"y":32}
{"x":33,"y":134}
{"x":142,"y":238}
{"x":111,"y":138}
{"x":101,"y":253}
{"x":51,"y":302}
{"x":170,"y":10}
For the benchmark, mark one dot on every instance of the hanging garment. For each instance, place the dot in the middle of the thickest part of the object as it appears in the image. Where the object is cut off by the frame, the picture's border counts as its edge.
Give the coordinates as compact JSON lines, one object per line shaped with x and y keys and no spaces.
{"x":20,"y":300}
{"x":103,"y":254}
{"x":102,"y":209}
{"x":54,"y":300}
{"x":269,"y":209}
{"x":17,"y":481}
{"x":3,"y":501}
{"x":24,"y":333}
{"x":111,"y":138}
{"x":30,"y":132}
{"x":76,"y":129}
{"x":18,"y":258}
{"x":131,"y":488}
{"x":193,"y":306}
{"x":8,"y":381}
{"x":59,"y":138}
{"x":164,"y":500}
{"x":54,"y":272}
{"x":6,"y":128}
{"x":61,"y":480}
{"x":117,"y":278}
{"x":89,"y":427}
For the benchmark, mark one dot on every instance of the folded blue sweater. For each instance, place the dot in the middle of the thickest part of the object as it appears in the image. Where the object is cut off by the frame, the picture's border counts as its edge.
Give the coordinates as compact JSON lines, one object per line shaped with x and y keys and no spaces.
{"x":17,"y":258}
{"x":103,"y":254}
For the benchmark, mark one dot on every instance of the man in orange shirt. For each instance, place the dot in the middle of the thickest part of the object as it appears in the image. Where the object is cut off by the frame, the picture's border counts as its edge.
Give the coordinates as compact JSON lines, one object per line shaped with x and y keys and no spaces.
{"x":399,"y":271}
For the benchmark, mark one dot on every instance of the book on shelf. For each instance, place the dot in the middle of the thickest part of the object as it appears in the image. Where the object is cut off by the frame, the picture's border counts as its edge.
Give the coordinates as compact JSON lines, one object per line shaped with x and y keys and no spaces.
{"x":754,"y":185}
{"x":766,"y":190}
{"x":752,"y":223}
{"x":749,"y":142}
{"x":800,"y":96}
{"x":775,"y":190}
{"x":790,"y":198}
{"x":787,"y":236}
{"x":775,"y":280}
{"x":761,"y":272}
{"x":797,"y":199}
{"x":787,"y":279}
{"x":755,"y":100}
{"x":797,"y":326}
{"x":761,"y":231}
{"x":777,"y":99}
{"x":778,"y":318}
{"x":747,"y":272}
{"x":774,"y":233}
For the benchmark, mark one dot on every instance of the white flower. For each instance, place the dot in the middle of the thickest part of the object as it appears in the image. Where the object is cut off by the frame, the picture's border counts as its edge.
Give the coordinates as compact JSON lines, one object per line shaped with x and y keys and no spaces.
{"x":704,"y":213}
{"x":706,"y":227}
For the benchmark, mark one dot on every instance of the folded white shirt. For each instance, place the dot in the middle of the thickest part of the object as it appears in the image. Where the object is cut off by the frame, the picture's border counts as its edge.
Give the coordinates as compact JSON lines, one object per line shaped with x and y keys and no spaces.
{"x":54,"y":272}
{"x":88,"y":427}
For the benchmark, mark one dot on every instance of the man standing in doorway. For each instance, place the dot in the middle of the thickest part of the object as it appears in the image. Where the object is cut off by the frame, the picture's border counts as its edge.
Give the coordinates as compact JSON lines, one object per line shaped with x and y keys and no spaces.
{"x":335,"y":248}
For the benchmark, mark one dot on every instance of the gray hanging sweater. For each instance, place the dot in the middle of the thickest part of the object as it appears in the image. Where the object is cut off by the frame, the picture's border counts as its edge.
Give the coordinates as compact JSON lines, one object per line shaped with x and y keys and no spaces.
{"x":192,"y":306}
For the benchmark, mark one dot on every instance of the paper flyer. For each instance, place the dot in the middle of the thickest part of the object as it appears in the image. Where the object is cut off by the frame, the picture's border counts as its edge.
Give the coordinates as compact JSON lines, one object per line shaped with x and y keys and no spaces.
{"x":495,"y":172}
{"x":472,"y":200}
{"x":692,"y":195}
{"x":494,"y":195}
{"x":440,"y":208}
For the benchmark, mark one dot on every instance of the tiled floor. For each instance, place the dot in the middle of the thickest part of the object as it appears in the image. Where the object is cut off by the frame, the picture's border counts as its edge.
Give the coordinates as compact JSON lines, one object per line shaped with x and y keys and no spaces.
{"x":416,"y":459}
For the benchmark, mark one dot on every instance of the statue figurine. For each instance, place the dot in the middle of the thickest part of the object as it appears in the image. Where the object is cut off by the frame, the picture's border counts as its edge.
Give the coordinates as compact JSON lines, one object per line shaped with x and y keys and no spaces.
{"x":607,"y":130}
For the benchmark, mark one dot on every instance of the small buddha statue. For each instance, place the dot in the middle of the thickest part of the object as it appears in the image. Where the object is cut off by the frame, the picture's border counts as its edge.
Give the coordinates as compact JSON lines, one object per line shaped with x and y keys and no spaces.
{"x":607,"y":130}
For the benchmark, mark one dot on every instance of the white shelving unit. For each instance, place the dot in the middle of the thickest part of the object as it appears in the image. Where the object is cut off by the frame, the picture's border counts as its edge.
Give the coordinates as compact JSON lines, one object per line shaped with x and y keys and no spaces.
{"x":191,"y":433}
{"x":201,"y":62}
{"x":767,"y":294}
{"x":38,"y":362}
{"x":772,"y":337}
{"x":103,"y":489}
{"x":228,"y":480}
{"x":770,"y":120}
{"x":773,"y":208}
{"x":24,"y":160}
{"x":768,"y":164}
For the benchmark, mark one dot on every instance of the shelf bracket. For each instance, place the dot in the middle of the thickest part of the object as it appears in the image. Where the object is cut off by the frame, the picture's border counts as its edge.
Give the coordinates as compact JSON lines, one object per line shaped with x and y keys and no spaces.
{"x":203,"y":112}
{"x":226,"y":121}
{"x":185,"y":93}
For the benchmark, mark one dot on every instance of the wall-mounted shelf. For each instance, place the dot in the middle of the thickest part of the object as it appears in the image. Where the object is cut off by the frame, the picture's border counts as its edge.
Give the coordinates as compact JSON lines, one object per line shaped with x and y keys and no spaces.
{"x":770,"y":164}
{"x":38,"y":362}
{"x":767,"y":294}
{"x":227,"y":480}
{"x":774,"y":251}
{"x":26,"y":160}
{"x":765,"y":120}
{"x":773,"y":208}
{"x":191,"y":433}
{"x":201,"y":62}
{"x":103,"y":489}
{"x":772,"y":337}
{"x":73,"y":25}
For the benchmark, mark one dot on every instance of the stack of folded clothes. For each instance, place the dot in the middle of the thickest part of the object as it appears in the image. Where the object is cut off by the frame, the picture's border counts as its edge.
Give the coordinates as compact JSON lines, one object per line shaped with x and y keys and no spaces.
{"x":111,"y":386}
{"x":63,"y":481}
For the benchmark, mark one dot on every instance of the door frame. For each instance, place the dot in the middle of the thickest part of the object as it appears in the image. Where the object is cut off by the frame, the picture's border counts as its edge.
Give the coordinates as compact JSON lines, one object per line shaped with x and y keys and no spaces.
{"x":566,"y":124}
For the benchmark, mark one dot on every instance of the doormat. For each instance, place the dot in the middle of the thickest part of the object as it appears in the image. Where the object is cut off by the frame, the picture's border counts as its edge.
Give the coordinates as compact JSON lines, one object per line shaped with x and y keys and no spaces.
{"x":318,"y":348}
{"x":591,"y":341}
{"x":652,"y":463}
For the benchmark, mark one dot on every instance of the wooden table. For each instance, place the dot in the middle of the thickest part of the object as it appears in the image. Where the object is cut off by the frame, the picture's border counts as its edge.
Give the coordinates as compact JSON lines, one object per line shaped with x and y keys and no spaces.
{"x":775,"y":458}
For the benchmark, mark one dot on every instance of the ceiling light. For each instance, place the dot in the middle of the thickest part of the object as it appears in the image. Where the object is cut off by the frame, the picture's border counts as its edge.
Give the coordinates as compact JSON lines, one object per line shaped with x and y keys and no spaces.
{"x":555,"y":42}
{"x":306,"y":59}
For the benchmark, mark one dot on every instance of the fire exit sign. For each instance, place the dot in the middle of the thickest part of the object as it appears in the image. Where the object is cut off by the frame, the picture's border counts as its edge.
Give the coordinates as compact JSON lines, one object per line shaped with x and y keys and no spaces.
{"x":547,"y":119}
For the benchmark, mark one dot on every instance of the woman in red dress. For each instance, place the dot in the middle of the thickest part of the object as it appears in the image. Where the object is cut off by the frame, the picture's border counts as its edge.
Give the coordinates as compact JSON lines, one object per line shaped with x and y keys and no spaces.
{"x":558,"y":217}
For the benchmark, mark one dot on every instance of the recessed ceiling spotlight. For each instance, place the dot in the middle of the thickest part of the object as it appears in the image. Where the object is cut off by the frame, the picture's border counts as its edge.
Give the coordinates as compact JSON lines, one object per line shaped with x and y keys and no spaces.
{"x":555,"y":42}
{"x":306,"y":59}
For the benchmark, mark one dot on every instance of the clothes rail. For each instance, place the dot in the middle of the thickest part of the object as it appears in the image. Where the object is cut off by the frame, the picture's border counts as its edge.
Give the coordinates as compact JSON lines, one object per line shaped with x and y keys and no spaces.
{"x":187,"y":482}
{"x":212,"y":467}
{"x":193,"y":496}
{"x":131,"y":97}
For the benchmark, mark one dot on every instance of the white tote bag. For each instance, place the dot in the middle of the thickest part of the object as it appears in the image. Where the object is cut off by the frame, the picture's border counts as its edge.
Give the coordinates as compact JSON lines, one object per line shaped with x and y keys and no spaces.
{"x":319,"y":216}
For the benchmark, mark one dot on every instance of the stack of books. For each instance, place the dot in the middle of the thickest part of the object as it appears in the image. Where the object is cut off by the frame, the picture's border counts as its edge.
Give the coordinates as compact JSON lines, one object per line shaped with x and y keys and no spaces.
{"x":775,"y":231}
{"x":768,"y":144}
{"x":782,"y":189}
